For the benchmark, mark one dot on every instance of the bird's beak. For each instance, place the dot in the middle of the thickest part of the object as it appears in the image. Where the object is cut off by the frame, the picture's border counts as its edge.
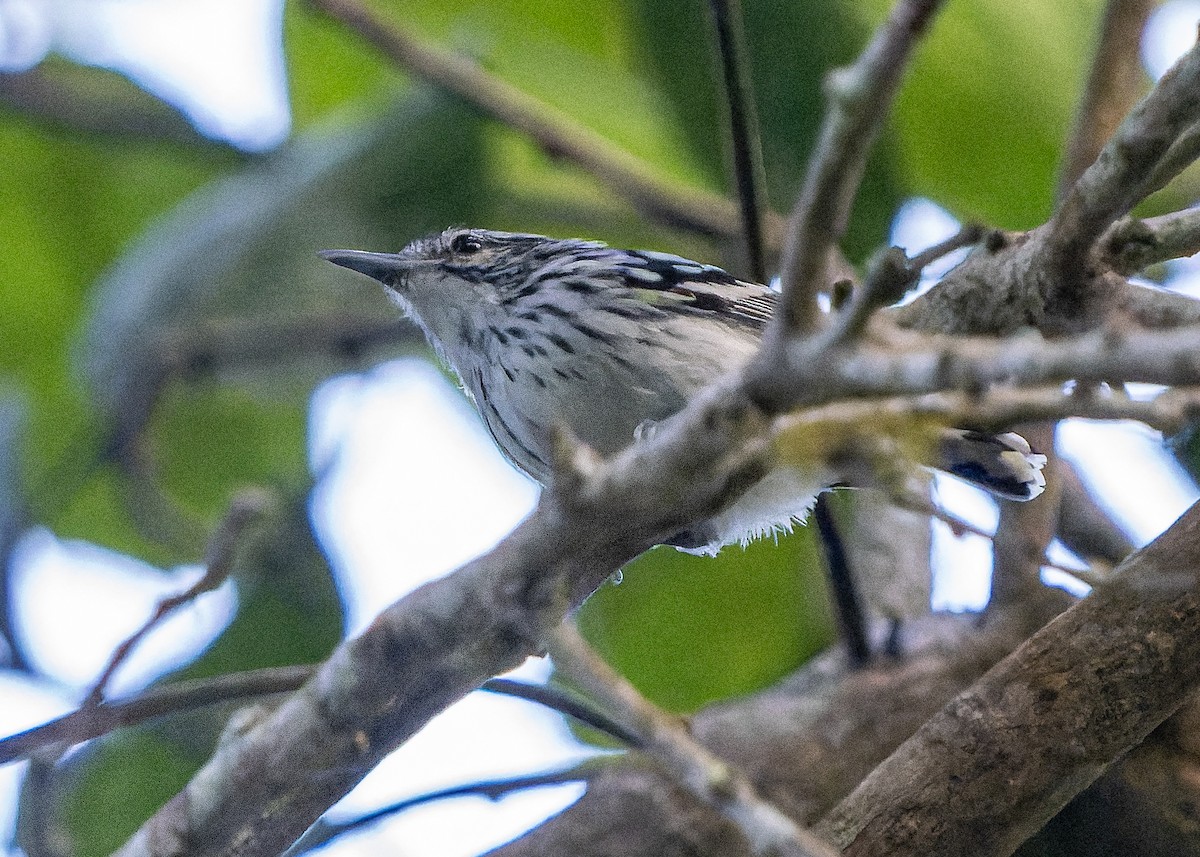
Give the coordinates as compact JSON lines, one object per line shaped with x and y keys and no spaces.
{"x":385,"y":267}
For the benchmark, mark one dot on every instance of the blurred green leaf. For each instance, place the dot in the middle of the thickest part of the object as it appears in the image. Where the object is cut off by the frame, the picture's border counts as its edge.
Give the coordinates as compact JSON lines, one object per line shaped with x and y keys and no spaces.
{"x":688,"y":630}
{"x":76,"y":203}
{"x":116,"y":784}
{"x":983,"y":117}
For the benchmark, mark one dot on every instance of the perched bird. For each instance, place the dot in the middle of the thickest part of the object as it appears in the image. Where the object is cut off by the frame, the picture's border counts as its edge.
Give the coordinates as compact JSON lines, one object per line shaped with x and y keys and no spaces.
{"x":609,"y":342}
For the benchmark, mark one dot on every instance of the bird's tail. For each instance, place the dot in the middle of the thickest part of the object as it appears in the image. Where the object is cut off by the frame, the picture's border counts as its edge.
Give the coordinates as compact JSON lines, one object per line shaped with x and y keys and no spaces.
{"x":1002,"y":464}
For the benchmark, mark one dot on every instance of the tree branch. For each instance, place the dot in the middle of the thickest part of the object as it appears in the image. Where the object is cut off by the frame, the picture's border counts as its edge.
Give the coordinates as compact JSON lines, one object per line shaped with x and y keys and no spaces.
{"x":1115,"y":81}
{"x":1132,"y":245}
{"x":557,"y":134}
{"x":1126,"y":171}
{"x":995,"y":764}
{"x":860,"y":100}
{"x":765,"y":828}
{"x":86,"y":723}
{"x":245,"y":509}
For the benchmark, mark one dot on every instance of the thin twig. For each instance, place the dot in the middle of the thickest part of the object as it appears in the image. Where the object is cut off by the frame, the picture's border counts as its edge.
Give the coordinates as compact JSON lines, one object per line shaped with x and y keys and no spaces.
{"x":890,"y":275}
{"x":324,"y":831}
{"x":640,"y":183}
{"x":694,"y":768}
{"x":1114,"y":84}
{"x":246,"y":507}
{"x":86,"y":723}
{"x":970,"y":234}
{"x":563,"y":703}
{"x":743,"y":129}
{"x":860,"y":100}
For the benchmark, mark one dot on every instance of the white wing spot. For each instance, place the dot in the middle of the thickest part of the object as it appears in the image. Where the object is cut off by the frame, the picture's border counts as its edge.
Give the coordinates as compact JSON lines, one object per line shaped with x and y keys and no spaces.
{"x":665,"y":257}
{"x":646,"y":276}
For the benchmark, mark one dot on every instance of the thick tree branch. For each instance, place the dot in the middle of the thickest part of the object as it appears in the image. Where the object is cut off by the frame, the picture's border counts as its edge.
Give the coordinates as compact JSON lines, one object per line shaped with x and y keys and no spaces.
{"x":1000,"y":760}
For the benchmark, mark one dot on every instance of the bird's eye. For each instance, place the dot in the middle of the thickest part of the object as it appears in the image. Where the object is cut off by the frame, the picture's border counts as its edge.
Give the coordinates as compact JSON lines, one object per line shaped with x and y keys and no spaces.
{"x":466,"y":243}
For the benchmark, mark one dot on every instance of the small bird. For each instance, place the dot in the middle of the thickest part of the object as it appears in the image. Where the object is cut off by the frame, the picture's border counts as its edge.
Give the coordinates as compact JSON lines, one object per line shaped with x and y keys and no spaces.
{"x":544,"y":331}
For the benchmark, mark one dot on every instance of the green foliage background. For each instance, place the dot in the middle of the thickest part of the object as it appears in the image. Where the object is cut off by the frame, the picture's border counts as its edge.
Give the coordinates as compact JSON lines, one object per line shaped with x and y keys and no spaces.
{"x":112,"y":244}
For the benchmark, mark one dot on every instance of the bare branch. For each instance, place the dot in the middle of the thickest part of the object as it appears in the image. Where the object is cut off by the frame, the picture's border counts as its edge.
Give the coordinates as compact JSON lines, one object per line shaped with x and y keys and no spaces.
{"x":246,"y":507}
{"x":1114,"y":84}
{"x":860,"y":100}
{"x":635,"y":180}
{"x":564,"y":703}
{"x":696,"y":769}
{"x":915,"y":363}
{"x":91,"y":722}
{"x":1131,"y":245}
{"x":1126,"y":170}
{"x":995,"y":764}
{"x":325,"y":831}
{"x":743,"y":129}
{"x":910,"y":416}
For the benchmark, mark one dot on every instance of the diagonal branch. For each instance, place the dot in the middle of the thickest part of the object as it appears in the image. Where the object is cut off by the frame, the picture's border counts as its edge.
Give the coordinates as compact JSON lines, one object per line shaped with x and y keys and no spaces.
{"x":695,"y":768}
{"x":1126,"y":171}
{"x":632,"y":178}
{"x":90,"y":722}
{"x":1132,"y":245}
{"x":1000,"y":760}
{"x":860,"y":100}
{"x":1114,"y":83}
{"x":264,"y":788}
